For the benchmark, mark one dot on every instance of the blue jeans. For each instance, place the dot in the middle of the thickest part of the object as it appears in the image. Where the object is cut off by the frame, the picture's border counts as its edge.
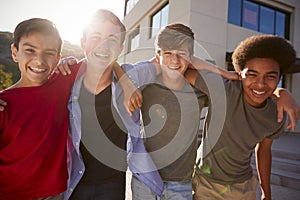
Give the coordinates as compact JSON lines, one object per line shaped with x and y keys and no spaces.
{"x":172,"y":191}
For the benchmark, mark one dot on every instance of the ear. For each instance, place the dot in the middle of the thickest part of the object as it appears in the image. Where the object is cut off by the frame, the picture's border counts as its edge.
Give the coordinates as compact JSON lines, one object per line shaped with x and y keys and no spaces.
{"x":58,"y":58}
{"x":157,"y":58}
{"x":121,"y":48}
{"x":82,"y":42}
{"x":14,"y":52}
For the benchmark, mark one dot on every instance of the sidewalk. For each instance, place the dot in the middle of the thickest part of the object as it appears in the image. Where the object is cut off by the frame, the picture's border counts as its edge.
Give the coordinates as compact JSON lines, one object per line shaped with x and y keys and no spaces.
{"x":281,"y":193}
{"x":287,"y":143}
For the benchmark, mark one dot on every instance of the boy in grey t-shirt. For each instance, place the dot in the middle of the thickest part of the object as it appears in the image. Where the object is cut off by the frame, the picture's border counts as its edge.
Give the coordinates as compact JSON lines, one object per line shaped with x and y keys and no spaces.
{"x":250,"y":123}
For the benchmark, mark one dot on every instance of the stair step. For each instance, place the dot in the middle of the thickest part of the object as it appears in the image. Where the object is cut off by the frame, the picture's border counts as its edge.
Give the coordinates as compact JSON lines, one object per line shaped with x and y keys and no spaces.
{"x":285,"y":178}
{"x":286,"y":154}
{"x":286,"y":165}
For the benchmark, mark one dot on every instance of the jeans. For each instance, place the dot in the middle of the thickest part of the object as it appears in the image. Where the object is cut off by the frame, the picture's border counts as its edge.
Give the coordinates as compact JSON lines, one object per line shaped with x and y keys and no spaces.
{"x":172,"y":191}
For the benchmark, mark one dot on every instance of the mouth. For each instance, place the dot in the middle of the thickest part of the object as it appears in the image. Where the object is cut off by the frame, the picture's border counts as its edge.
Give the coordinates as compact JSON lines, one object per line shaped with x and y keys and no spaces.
{"x":173,"y":67}
{"x":101,"y":55}
{"x":258,"y":93}
{"x":37,"y":70}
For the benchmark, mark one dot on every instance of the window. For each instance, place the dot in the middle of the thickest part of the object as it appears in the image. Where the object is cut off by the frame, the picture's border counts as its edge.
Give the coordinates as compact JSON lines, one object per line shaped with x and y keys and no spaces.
{"x":134,"y":40}
{"x":130,"y":4}
{"x":159,"y":20}
{"x":280,"y":24}
{"x":234,"y":12}
{"x":255,"y":16}
{"x":250,"y":15}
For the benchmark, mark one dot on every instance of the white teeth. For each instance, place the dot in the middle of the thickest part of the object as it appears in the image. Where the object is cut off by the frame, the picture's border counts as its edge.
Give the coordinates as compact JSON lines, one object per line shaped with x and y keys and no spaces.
{"x":37,"y":69}
{"x":257,"y":92}
{"x":173,"y":67}
{"x":101,"y":55}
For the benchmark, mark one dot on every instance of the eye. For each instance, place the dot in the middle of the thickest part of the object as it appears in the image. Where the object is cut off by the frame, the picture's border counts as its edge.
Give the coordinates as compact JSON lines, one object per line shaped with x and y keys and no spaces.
{"x":167,"y":53}
{"x":271,"y":77}
{"x":251,"y":75}
{"x":50,"y":53}
{"x":29,"y":50}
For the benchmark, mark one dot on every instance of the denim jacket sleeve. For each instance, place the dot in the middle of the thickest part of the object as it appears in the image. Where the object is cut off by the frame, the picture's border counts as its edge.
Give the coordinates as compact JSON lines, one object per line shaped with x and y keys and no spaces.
{"x":76,"y":166}
{"x":139,"y":161}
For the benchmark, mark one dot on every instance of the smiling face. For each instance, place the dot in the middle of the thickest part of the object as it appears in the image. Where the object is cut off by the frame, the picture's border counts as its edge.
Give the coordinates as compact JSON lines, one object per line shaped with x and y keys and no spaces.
{"x":37,"y":55}
{"x":174,"y":63}
{"x":259,"y":78}
{"x":102,"y":44}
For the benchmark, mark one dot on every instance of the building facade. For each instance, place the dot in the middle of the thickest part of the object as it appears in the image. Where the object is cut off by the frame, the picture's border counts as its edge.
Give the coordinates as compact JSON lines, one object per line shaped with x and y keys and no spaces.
{"x":219,"y":25}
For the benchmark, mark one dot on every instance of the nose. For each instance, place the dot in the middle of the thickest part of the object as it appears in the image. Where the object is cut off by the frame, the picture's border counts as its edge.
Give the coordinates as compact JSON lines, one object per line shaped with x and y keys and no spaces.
{"x":261,"y":81}
{"x":39,"y":59}
{"x":174,"y":57}
{"x":103,"y":44}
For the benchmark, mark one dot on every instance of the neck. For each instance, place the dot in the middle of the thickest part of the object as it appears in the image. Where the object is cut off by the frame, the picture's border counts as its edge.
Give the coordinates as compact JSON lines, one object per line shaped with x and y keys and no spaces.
{"x":97,"y":82}
{"x":173,"y":84}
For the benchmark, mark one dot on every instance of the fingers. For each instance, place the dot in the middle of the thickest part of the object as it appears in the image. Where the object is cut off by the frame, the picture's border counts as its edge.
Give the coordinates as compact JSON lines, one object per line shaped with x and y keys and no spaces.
{"x":289,"y":126}
{"x":128,"y":109}
{"x":135,"y":102}
{"x":280,"y":113}
{"x":2,"y":105}
{"x":294,"y":116}
{"x":63,"y":66}
{"x":136,"y":99}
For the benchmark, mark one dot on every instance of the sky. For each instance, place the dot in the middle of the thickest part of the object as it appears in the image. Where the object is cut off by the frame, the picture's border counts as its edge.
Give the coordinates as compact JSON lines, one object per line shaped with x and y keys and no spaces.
{"x":68,"y":15}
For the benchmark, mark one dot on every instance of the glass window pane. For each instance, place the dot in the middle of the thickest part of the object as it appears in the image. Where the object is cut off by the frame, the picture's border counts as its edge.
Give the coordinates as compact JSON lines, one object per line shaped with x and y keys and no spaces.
{"x":159,"y":20}
{"x":155,"y":24}
{"x":164,"y":16}
{"x":250,"y":15}
{"x":135,"y":39}
{"x":280,"y":24}
{"x":234,"y":11}
{"x":267,"y":20}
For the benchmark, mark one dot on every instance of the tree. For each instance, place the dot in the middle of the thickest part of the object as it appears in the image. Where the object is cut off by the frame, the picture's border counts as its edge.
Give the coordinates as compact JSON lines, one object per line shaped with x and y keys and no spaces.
{"x":5,"y":78}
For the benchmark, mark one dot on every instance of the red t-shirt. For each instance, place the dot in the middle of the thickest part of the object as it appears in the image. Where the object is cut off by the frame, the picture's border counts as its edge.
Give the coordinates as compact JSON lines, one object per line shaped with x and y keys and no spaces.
{"x":33,"y":134}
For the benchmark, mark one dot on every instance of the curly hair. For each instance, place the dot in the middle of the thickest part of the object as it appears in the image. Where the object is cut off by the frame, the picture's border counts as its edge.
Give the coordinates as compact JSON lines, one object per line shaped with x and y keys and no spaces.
{"x":264,"y":46}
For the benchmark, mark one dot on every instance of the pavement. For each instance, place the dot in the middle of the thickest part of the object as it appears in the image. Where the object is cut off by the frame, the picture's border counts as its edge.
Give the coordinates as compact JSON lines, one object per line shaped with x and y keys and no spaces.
{"x":281,"y":193}
{"x":289,"y":145}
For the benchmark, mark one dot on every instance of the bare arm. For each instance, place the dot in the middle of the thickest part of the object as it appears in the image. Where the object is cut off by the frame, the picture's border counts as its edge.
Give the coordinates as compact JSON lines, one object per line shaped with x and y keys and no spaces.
{"x":199,"y":64}
{"x":286,"y":103}
{"x":263,"y":165}
{"x":133,"y":98}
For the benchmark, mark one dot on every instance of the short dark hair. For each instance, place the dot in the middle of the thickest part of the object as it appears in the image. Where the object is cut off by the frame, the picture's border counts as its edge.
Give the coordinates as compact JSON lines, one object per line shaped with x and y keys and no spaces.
{"x":38,"y":25}
{"x":264,"y":46}
{"x":103,"y":16}
{"x":173,"y":36}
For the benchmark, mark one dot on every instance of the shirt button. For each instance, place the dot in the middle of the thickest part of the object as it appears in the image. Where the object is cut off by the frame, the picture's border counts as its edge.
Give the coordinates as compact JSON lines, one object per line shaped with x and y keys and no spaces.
{"x":80,"y":172}
{"x":71,"y":189}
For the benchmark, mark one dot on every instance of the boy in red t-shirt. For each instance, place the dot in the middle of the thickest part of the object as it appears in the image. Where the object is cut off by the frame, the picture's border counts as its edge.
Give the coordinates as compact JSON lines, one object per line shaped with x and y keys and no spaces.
{"x":34,"y":124}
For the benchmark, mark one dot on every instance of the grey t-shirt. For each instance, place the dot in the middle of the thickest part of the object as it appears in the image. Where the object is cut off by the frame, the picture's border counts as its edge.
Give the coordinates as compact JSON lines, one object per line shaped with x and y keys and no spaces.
{"x":171,"y":119}
{"x":227,"y":158}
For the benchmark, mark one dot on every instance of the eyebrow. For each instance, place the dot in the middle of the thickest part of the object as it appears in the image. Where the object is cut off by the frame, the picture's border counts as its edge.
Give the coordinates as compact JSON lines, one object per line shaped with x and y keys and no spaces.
{"x":30,"y":45}
{"x":100,"y":34}
{"x":271,"y":72}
